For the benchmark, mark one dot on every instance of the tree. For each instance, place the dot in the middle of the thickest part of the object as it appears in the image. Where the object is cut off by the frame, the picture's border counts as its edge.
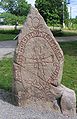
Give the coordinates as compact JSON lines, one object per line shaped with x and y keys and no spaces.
{"x":52,"y":10}
{"x":11,"y":19}
{"x":17,"y":7}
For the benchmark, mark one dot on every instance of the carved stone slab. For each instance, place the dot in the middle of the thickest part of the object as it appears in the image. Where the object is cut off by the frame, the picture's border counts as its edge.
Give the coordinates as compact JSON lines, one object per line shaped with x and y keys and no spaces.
{"x":38,"y":62}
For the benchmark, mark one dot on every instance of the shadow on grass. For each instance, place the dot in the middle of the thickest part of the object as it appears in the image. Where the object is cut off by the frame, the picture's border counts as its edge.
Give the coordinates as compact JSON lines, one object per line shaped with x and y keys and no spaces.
{"x":64,"y":33}
{"x":69,"y":48}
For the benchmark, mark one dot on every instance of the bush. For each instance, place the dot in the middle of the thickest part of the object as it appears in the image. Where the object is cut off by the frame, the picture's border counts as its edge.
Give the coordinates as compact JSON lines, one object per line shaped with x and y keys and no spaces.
{"x":11,"y":19}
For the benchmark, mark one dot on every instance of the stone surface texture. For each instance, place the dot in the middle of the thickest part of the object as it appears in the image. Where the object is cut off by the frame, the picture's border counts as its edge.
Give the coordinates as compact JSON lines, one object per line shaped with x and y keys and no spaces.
{"x":38,"y":67}
{"x":9,"y":111}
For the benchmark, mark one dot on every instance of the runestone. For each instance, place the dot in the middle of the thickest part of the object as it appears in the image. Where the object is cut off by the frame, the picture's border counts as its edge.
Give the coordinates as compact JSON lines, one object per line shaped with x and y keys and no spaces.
{"x":38,"y":65}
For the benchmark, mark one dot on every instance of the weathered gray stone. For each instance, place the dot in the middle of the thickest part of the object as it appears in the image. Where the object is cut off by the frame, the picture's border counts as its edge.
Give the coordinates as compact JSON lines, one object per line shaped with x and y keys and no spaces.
{"x":8,"y":111}
{"x":38,"y":67}
{"x":68,"y":102}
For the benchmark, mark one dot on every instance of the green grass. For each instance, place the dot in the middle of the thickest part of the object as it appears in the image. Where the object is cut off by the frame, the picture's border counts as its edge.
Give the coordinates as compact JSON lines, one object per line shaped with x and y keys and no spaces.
{"x":69,"y":73}
{"x":11,"y":34}
{"x":5,"y":37}
{"x":8,"y":34}
{"x":70,"y":65}
{"x":69,"y":32}
{"x":6,"y":74}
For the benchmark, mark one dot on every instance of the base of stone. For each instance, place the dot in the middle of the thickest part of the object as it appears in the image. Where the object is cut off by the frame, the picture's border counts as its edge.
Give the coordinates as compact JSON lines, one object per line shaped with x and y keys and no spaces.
{"x":64,"y":101}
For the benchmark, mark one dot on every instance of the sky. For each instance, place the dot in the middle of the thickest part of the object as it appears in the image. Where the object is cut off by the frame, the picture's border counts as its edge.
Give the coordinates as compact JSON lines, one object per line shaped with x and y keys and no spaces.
{"x":72,"y":7}
{"x":32,"y":2}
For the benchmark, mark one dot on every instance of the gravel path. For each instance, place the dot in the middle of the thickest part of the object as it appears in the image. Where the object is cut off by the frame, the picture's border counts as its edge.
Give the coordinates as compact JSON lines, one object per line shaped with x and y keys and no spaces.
{"x":7,"y":48}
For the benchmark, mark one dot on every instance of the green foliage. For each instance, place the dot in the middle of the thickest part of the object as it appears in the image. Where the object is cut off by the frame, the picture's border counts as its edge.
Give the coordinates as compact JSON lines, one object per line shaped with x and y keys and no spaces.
{"x":11,"y":19}
{"x":15,"y":11}
{"x":74,"y":20}
{"x":66,"y":14}
{"x":52,"y":11}
{"x":73,"y":23}
{"x":17,"y":7}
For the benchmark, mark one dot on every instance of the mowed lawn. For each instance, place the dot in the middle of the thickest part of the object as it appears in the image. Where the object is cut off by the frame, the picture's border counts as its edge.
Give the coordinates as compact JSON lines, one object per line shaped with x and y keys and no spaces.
{"x":70,"y":65}
{"x":8,"y":34}
{"x":6,"y":73}
{"x":5,"y":37}
{"x":69,"y":73}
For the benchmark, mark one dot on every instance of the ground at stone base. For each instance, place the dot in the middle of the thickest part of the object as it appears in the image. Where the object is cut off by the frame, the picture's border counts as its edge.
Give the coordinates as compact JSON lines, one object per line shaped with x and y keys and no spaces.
{"x":9,"y":111}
